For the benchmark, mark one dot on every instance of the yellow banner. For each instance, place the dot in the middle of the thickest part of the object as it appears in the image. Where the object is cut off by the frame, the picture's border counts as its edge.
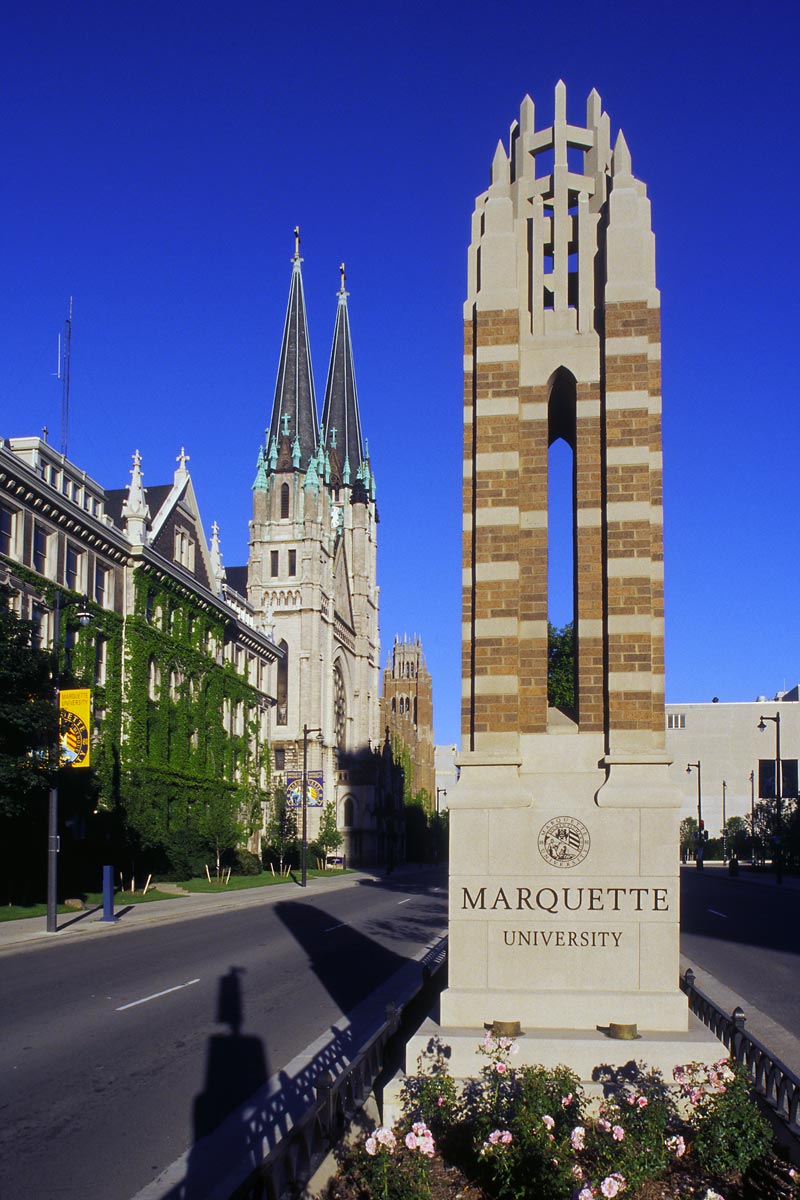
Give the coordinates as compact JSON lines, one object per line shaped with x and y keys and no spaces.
{"x":74,"y":724}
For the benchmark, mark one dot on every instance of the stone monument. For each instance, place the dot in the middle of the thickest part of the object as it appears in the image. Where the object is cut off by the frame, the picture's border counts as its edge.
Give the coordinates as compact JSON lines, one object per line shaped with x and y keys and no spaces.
{"x":564,"y":865}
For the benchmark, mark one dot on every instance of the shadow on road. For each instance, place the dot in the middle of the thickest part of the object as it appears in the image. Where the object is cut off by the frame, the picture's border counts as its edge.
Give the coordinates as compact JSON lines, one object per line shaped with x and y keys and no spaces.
{"x":242,"y":1113}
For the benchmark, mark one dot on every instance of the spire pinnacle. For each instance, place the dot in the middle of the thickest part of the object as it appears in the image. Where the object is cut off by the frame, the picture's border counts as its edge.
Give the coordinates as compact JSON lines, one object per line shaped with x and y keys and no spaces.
{"x":294,"y":407}
{"x":135,"y":509}
{"x":341,"y":420}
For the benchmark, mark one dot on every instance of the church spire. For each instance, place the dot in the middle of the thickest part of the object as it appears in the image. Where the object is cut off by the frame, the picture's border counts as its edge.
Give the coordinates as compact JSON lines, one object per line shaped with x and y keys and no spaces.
{"x":341,"y":422}
{"x":294,"y":409}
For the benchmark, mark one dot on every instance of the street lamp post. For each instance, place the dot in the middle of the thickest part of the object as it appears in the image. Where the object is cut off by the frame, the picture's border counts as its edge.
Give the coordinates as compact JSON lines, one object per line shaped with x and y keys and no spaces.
{"x":778,"y":790}
{"x":752,"y":818}
{"x":304,"y":835}
{"x":699,"y":855}
{"x":724,"y":791}
{"x":84,"y":616}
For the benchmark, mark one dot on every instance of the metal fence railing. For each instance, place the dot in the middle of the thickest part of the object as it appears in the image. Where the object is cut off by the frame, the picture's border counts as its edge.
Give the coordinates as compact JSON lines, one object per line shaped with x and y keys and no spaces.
{"x":290,"y":1164}
{"x":772,"y":1079}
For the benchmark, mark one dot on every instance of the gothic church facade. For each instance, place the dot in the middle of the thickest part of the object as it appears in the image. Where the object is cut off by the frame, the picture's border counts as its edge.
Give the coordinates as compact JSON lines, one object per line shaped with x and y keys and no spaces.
{"x":312,"y":574}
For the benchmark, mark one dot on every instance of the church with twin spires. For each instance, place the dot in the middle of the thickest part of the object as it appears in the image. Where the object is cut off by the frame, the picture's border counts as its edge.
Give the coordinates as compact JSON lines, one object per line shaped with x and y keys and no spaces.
{"x":312,"y":576}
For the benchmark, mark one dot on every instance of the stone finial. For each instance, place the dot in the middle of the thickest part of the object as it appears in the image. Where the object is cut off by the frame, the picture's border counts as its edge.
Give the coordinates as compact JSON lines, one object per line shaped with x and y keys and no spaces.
{"x":296,"y":452}
{"x":273,"y":455}
{"x":182,"y":471}
{"x":296,"y":244}
{"x":217,"y":569}
{"x":621,"y":162}
{"x":527,"y":115}
{"x":561,"y":101}
{"x":260,"y":482}
{"x":342,"y":291}
{"x":594,"y":109}
{"x":500,"y":171}
{"x":135,"y":509}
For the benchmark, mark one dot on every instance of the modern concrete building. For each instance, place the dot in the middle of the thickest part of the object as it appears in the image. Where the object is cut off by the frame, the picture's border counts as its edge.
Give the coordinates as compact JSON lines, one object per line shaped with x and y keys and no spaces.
{"x":725,"y":739}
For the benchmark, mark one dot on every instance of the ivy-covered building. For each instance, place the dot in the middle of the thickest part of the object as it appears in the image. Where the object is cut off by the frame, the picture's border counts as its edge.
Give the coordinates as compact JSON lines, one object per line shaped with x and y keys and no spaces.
{"x":312,"y":572}
{"x":182,"y":668}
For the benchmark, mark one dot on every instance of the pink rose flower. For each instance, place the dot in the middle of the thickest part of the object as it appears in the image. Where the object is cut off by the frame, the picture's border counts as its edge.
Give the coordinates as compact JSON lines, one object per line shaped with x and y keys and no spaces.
{"x":618,"y":1133}
{"x":548,"y":1122}
{"x":604,"y":1125}
{"x":501,"y":1068}
{"x":612,"y":1185}
{"x":577,"y":1136}
{"x":371,"y":1146}
{"x":566,"y":1100}
{"x":642,"y":1102}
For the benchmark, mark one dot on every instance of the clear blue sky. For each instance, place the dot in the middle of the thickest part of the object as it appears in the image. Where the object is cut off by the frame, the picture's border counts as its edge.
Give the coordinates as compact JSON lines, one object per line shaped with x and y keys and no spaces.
{"x":156,"y":157}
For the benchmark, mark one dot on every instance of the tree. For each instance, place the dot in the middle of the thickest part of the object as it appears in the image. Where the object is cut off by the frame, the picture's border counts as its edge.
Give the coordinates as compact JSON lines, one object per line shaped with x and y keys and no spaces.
{"x":688,"y":837}
{"x":27,"y":714}
{"x":329,"y":839}
{"x":27,"y":728}
{"x":281,"y":827}
{"x":218,"y":826}
{"x":561,"y":667}
{"x":737,"y":837}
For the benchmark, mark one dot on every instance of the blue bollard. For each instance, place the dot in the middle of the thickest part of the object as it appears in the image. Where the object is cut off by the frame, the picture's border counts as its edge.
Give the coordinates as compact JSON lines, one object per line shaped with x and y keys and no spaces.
{"x":108,"y":894}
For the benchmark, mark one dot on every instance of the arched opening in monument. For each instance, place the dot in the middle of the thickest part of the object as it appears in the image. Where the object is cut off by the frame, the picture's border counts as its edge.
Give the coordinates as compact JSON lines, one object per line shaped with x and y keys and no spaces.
{"x":561,"y":547}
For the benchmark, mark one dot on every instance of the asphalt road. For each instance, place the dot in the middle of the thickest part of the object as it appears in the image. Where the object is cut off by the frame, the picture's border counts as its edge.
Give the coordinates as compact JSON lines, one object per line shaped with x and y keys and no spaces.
{"x":120,"y":1052}
{"x":747,"y":935}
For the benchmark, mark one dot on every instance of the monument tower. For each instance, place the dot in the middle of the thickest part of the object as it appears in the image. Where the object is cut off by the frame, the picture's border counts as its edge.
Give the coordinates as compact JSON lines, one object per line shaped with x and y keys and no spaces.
{"x":564,"y":828}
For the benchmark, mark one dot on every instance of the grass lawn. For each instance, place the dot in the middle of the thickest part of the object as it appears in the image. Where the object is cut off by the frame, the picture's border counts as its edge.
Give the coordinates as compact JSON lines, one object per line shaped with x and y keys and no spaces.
{"x":265,"y":879}
{"x":18,"y":912}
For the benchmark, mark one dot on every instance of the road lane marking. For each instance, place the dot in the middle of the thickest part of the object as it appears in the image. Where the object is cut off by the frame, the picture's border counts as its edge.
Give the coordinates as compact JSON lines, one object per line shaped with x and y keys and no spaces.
{"x":718,"y":914}
{"x":399,"y":902}
{"x":330,"y":928}
{"x":156,"y":995}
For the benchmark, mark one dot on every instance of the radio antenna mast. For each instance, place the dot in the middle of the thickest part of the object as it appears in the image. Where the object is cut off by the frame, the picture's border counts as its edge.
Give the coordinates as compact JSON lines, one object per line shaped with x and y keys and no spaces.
{"x":65,"y":350}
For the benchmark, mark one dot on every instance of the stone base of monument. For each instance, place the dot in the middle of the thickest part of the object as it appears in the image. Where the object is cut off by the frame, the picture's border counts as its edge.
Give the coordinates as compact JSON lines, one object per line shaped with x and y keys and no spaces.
{"x":598,"y":1059}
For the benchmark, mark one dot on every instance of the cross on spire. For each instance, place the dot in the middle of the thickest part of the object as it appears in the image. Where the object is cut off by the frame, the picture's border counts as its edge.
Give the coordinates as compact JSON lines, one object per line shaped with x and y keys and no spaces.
{"x":285,"y":419}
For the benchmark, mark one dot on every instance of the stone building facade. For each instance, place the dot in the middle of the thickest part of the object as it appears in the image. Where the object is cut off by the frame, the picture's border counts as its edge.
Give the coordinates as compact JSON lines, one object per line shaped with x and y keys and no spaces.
{"x":182,"y":669}
{"x":312,"y":573}
{"x":407,"y":712}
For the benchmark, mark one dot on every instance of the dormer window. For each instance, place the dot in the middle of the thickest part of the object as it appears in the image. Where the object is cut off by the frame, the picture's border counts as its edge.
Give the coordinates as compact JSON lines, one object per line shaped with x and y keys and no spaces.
{"x":184,"y":549}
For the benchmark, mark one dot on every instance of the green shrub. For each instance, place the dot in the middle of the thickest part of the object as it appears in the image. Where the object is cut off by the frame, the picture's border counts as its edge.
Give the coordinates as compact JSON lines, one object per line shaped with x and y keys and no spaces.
{"x":242,"y":862}
{"x":728,"y":1131}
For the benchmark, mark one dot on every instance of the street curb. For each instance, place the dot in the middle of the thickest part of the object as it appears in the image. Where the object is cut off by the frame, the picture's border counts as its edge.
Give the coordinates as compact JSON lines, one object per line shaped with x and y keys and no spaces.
{"x":183,"y":908}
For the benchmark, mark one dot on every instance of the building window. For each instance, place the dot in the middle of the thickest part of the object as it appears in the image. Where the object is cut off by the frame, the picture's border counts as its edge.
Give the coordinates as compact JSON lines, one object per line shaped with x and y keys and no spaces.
{"x":101,"y":661}
{"x":292,"y":562}
{"x":40,"y":540}
{"x":280,"y":759}
{"x":37,"y":623}
{"x":282,"y":689}
{"x":273,"y":563}
{"x":101,"y":581}
{"x":6,"y":530}
{"x":284,"y":501}
{"x":184,"y":549}
{"x":72,"y":568}
{"x":676,"y":720}
{"x":348,"y":812}
{"x":153,"y":680}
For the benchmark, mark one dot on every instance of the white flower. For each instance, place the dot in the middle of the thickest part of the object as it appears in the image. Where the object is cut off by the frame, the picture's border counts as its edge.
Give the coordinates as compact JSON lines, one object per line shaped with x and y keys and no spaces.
{"x":612,"y":1185}
{"x":371,"y":1146}
{"x":548,"y":1122}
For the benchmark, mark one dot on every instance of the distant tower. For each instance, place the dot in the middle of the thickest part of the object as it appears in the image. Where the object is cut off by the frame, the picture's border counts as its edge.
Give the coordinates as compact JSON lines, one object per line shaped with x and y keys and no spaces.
{"x":312,"y":570}
{"x":407,"y":709}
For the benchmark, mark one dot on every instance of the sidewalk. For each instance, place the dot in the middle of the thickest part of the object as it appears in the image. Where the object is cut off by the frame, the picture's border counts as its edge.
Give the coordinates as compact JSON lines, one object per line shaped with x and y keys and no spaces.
{"x":31,"y":931}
